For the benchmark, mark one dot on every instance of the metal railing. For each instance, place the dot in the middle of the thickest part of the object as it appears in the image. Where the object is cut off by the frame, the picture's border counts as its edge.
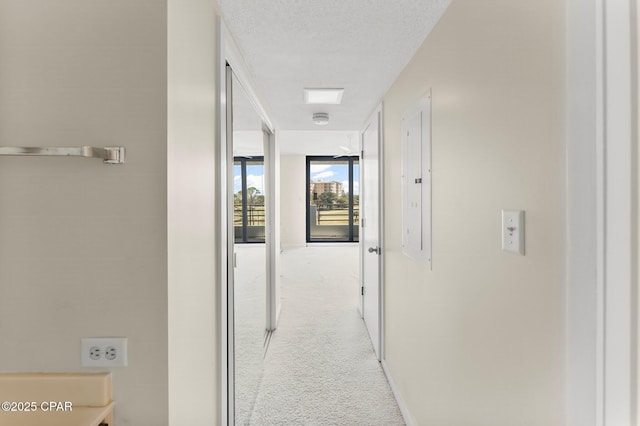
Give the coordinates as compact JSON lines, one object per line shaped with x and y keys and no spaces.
{"x":336,"y":216}
{"x":255,"y":215}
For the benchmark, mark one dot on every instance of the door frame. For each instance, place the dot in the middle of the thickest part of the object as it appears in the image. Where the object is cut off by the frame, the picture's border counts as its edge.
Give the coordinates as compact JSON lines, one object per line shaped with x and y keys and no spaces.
{"x":602,"y":104}
{"x":378,"y":113}
{"x":228,"y":53}
{"x":619,"y":296}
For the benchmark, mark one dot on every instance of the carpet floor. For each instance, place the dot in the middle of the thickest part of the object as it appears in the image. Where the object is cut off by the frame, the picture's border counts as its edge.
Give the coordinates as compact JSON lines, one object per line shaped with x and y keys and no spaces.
{"x":320,"y":368}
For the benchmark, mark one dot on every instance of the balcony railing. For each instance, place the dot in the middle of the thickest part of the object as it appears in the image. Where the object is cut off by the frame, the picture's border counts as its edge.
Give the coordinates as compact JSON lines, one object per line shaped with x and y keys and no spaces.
{"x":255,"y":215}
{"x":336,"y":215}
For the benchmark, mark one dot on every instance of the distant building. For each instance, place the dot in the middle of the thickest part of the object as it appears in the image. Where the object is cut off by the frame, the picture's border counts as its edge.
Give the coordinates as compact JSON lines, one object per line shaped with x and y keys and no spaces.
{"x":331,"y":186}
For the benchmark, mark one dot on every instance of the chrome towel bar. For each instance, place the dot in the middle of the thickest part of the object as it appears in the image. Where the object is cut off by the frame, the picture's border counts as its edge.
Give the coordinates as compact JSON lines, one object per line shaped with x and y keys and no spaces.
{"x":110,"y":154}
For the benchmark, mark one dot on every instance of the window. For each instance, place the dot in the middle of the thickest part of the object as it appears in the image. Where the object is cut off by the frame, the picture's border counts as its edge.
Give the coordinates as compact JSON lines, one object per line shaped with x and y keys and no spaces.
{"x":332,"y":199}
{"x":248,"y":199}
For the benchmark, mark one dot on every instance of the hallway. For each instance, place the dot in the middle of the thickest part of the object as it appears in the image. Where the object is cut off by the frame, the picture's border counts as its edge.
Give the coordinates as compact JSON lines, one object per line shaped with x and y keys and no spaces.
{"x":320,"y":368}
{"x":528,"y":117}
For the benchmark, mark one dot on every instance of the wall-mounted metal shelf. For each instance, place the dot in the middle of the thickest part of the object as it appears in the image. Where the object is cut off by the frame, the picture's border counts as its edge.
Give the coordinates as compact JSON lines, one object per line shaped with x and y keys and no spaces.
{"x":110,"y":154}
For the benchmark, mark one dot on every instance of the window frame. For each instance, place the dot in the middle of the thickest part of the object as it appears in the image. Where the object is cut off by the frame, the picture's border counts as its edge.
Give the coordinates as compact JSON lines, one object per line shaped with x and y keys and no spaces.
{"x":245,"y":218}
{"x":351,"y":159}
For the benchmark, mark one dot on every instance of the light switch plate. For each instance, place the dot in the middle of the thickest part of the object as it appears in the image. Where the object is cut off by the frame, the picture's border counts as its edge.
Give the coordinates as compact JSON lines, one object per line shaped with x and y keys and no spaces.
{"x":513,"y":231}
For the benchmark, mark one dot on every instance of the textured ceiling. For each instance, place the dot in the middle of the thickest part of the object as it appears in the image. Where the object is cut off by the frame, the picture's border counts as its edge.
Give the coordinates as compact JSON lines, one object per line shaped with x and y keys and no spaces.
{"x":323,"y":142}
{"x":359,"y":45}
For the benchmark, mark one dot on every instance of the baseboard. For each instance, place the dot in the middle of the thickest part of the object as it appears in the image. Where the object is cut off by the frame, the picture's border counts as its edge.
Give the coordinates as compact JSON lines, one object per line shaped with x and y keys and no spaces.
{"x":406,"y":415}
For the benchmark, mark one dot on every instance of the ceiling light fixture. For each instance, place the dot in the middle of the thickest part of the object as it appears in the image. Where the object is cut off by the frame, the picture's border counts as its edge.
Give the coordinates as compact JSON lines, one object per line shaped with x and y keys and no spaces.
{"x":321,"y":118}
{"x":323,"y":96}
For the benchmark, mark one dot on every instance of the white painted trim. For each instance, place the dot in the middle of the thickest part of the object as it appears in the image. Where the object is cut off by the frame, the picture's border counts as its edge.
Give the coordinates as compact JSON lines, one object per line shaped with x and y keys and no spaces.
{"x":380,"y":112}
{"x":404,"y":409}
{"x":600,"y":391}
{"x":377,"y":116}
{"x":600,"y":183}
{"x":618,"y":222}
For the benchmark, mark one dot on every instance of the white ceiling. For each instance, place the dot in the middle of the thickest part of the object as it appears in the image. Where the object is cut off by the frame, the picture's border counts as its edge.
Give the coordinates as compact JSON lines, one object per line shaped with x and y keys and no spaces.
{"x":314,"y":142}
{"x":358,"y":45}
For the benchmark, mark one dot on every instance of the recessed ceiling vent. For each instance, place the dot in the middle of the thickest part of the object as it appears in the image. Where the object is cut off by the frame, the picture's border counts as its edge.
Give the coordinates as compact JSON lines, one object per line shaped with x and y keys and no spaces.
{"x":321,"y":118}
{"x":323,"y":96}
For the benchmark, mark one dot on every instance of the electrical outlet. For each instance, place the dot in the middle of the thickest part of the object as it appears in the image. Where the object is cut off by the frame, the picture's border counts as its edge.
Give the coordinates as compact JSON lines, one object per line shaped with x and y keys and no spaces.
{"x":110,"y":353}
{"x":104,"y":352}
{"x":95,"y":353}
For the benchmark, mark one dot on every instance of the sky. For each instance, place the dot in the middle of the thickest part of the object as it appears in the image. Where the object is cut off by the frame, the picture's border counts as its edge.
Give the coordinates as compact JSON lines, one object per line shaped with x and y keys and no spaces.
{"x":319,"y":172}
{"x":335,"y":172}
{"x":254,"y":178}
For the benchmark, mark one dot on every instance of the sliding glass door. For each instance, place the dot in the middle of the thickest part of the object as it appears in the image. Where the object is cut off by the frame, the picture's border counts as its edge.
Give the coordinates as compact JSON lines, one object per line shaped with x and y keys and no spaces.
{"x":332,"y":199}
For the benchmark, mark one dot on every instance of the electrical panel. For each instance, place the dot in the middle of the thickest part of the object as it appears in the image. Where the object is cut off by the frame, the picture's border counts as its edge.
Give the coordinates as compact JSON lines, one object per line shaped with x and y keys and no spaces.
{"x":416,"y":180}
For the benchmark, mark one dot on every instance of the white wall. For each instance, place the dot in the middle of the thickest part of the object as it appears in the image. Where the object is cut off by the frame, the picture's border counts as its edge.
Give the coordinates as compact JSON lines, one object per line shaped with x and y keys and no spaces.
{"x":83,"y":245}
{"x":292,"y":201}
{"x":193,"y":317}
{"x":480,"y":339}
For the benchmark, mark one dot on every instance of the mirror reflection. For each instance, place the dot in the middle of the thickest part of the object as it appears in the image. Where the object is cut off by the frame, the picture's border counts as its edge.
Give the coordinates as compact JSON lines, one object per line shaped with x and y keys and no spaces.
{"x":250,"y":280}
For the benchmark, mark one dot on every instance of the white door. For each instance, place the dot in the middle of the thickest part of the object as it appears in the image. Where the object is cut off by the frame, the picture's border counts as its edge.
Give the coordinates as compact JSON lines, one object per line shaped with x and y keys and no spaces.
{"x":370,"y":230}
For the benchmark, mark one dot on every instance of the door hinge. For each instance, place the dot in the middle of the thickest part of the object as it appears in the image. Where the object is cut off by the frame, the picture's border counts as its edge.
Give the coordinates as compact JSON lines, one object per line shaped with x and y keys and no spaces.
{"x":362,"y":291}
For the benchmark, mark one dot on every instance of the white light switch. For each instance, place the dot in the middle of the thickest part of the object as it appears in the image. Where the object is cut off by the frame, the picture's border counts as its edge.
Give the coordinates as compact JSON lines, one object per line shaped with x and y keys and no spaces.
{"x":513,"y":231}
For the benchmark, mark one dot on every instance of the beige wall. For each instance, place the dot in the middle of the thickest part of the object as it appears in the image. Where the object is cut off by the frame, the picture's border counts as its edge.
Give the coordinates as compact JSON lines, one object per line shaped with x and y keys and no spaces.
{"x":292,"y":201}
{"x":480,"y":339}
{"x":192,"y":215}
{"x":83,"y":245}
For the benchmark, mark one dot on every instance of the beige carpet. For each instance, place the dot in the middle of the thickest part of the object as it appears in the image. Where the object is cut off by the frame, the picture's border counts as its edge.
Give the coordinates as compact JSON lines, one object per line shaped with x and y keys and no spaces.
{"x":320,"y":368}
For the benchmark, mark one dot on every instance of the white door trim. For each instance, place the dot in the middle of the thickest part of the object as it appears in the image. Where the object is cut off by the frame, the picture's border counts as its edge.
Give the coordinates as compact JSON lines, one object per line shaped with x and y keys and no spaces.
{"x":617,"y":243}
{"x":377,"y":115}
{"x":602,"y":128}
{"x":380,"y":112}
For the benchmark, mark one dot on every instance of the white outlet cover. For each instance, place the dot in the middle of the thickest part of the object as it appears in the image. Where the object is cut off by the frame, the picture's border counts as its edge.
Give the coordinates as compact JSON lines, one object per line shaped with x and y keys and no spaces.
{"x":104,"y":344}
{"x":513,"y":231}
